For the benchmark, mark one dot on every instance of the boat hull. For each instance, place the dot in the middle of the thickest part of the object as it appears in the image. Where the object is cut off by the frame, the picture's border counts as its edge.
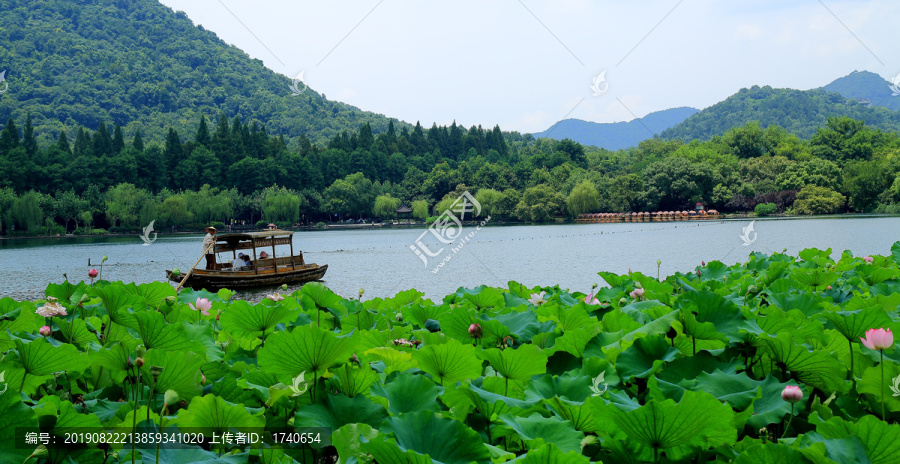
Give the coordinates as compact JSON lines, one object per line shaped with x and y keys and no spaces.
{"x":217,"y":280}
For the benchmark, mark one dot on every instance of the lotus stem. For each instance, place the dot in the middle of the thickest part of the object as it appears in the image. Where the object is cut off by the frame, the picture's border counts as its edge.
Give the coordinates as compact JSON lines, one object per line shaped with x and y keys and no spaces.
{"x":851,"y":360}
{"x":883,"y":417}
{"x":788,"y":421}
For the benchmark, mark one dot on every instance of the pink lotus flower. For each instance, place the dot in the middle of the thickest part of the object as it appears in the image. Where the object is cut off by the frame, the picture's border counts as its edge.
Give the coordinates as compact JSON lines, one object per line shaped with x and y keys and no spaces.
{"x":637,"y":293}
{"x":51,"y":309}
{"x":878,"y":339}
{"x":275,"y":297}
{"x":868,"y":259}
{"x":45,"y":331}
{"x":93,"y":273}
{"x":792,"y":394}
{"x":202,"y":379}
{"x":203,"y":305}
{"x":591,"y":300}
{"x":537,"y":298}
{"x":475,"y":331}
{"x":703,"y":263}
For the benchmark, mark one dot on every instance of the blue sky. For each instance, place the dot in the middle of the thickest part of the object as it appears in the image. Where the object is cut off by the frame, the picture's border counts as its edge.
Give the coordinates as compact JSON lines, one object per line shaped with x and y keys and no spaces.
{"x":527,"y":64}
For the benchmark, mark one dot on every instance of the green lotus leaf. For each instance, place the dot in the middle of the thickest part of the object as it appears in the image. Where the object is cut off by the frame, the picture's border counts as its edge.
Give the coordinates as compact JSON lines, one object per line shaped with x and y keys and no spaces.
{"x":347,"y":442}
{"x":871,"y":384}
{"x":618,"y":321}
{"x":369,"y":339}
{"x":880,"y":440}
{"x":537,"y":430}
{"x":450,"y":362}
{"x":175,"y":453}
{"x":442,"y":440}
{"x":158,"y":334}
{"x":322,"y":295}
{"x":714,"y":270}
{"x":706,"y":312}
{"x":455,"y":323}
{"x":335,"y":411}
{"x":523,"y":324}
{"x":769,"y":453}
{"x":566,"y":318}
{"x":813,"y":368}
{"x":116,"y":301}
{"x":304,"y":349}
{"x":518,"y":364}
{"x":551,"y":454}
{"x":409,"y":393}
{"x":806,"y":303}
{"x":697,"y":422}
{"x":488,"y":297}
{"x":65,"y":292}
{"x":645,"y":357}
{"x":772,"y":320}
{"x":393,"y":360}
{"x":816,"y":278}
{"x":180,"y":373}
{"x":13,"y":413}
{"x":243,"y":320}
{"x":18,"y":317}
{"x":658,"y":326}
{"x":212,"y":414}
{"x":228,"y":389}
{"x":490,"y":403}
{"x":737,"y":390}
{"x":853,"y":324}
{"x":76,"y":332}
{"x":768,"y":407}
{"x":153,"y":292}
{"x":356,"y":379}
{"x":575,"y":341}
{"x":849,"y":450}
{"x":418,"y":313}
{"x":39,"y":357}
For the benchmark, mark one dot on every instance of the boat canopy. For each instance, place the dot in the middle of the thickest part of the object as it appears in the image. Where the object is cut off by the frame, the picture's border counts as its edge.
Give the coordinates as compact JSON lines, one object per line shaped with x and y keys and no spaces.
{"x":252,"y":240}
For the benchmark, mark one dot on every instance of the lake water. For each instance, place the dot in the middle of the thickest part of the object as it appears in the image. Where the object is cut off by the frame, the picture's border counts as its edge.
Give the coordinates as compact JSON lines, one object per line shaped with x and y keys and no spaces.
{"x":381,"y":261}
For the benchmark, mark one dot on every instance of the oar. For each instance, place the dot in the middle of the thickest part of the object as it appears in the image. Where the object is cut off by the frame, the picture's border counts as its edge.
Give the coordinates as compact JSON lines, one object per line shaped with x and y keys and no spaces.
{"x":192,"y":268}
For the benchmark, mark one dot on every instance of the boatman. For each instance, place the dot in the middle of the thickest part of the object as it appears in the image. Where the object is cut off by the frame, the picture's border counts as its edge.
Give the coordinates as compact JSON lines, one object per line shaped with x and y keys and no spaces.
{"x":209,"y":247}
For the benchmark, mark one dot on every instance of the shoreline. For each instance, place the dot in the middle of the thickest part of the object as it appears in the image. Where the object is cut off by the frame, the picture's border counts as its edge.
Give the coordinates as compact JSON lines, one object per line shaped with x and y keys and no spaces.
{"x":421,"y":225}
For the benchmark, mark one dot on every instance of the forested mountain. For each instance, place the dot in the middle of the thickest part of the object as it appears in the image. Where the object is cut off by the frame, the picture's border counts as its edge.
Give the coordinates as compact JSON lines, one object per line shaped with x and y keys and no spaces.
{"x":866,"y":85}
{"x":800,"y":112}
{"x":618,"y":135}
{"x":138,"y":64}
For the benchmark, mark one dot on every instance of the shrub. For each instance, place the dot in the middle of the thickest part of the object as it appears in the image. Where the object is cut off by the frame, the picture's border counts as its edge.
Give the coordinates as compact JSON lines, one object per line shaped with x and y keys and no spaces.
{"x":818,"y":200}
{"x":320,"y":225}
{"x":765,"y":209}
{"x":220,"y":226}
{"x":262,"y":224}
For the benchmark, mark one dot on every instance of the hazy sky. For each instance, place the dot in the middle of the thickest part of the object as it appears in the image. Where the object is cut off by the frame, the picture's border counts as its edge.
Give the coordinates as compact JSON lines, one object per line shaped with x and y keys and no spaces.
{"x":527,"y":64}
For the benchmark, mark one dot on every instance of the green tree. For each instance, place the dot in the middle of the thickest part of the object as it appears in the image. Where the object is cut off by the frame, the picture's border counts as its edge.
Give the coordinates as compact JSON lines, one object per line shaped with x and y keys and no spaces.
{"x":490,"y":200}
{"x":386,"y":206}
{"x":584,"y":198}
{"x":420,"y":209}
{"x":540,"y":203}
{"x":26,"y":212}
{"x":813,"y":199}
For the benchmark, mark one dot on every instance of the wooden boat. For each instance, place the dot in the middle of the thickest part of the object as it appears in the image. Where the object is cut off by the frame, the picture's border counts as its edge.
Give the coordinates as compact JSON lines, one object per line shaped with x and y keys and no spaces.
{"x":265,"y":271}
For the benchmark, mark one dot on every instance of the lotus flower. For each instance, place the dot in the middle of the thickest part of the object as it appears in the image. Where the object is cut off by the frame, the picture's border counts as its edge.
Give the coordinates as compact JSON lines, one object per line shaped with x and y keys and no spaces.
{"x":50,"y":309}
{"x":868,"y":259}
{"x":203,"y":305}
{"x":637,"y":293}
{"x":45,"y":331}
{"x":792,"y":394}
{"x":878,"y":339}
{"x":475,"y":331}
{"x":537,"y":298}
{"x":93,"y":273}
{"x":202,"y":379}
{"x":275,"y":297}
{"x":591,"y":300}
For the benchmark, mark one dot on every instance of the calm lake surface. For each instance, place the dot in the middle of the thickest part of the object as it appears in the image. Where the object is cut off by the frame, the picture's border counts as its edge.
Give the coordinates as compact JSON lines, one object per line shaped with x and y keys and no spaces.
{"x":381,"y":261}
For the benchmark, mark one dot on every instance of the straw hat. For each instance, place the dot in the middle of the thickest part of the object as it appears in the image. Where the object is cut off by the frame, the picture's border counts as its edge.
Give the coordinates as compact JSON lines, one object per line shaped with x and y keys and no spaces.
{"x":211,"y":228}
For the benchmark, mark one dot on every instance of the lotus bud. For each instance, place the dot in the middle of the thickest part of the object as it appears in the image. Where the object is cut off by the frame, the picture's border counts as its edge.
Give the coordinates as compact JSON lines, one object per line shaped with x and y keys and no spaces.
{"x":752,"y":290}
{"x":475,"y":331}
{"x":698,"y":273}
{"x":202,"y":379}
{"x":703,"y":263}
{"x":45,"y":331}
{"x":622,"y":301}
{"x":868,"y":259}
{"x":672,"y":333}
{"x":355,"y":360}
{"x":104,"y":259}
{"x":93,"y":273}
{"x":129,"y":362}
{"x":792,"y":394}
{"x":176,"y":272}
{"x":139,"y":361}
{"x":155,"y":371}
{"x":399,"y":317}
{"x":284,"y":286}
{"x":638,"y":285}
{"x":141,"y":350}
{"x":84,"y":298}
{"x":170,"y":300}
{"x":829,"y":287}
{"x":171,"y":397}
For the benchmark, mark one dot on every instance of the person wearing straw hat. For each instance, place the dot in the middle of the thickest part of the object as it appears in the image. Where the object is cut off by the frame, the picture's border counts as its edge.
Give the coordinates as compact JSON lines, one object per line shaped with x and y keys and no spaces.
{"x":209,"y":247}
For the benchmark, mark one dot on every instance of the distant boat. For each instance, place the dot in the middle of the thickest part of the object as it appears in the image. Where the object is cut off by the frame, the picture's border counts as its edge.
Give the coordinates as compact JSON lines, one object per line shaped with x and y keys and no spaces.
{"x":265,"y":271}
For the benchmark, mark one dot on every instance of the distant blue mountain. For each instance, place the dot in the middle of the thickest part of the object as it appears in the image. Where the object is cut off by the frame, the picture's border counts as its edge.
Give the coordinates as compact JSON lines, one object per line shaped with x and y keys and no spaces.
{"x":617,"y":135}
